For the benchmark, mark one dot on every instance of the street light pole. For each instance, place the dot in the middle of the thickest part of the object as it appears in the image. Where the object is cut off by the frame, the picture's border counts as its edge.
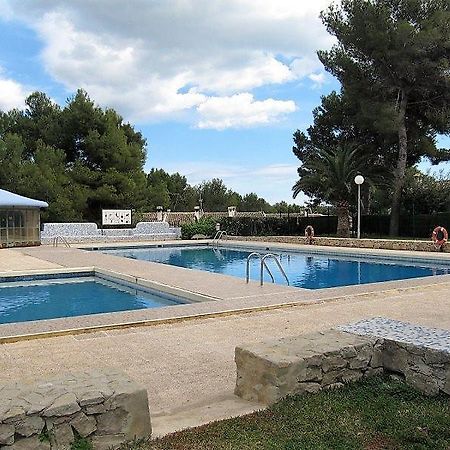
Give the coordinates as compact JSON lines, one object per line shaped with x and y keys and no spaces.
{"x":359,"y":180}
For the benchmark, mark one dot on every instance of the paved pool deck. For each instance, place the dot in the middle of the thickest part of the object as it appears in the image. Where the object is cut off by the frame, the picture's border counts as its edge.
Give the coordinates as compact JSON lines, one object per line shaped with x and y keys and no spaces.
{"x":187,"y":363}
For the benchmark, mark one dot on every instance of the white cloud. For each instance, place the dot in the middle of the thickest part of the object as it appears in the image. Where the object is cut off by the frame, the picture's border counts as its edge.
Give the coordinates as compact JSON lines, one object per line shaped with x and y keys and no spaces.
{"x":318,"y":79}
{"x":5,"y":10}
{"x":151,"y":60}
{"x":12,"y":93}
{"x":241,"y":110}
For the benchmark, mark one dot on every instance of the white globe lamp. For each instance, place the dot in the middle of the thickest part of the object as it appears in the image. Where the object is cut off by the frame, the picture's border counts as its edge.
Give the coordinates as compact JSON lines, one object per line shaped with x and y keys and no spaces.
{"x":359,"y":180}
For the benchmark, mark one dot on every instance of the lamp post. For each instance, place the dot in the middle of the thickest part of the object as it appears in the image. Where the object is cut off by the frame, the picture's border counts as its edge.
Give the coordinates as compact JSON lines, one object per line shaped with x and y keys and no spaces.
{"x":359,"y":180}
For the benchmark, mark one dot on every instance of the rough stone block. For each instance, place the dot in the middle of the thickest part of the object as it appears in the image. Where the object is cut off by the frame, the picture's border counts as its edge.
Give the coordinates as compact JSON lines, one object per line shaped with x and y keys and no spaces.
{"x":73,"y":402}
{"x":31,"y":443}
{"x":6,"y":434}
{"x":268,"y":371}
{"x":64,"y":405}
{"x":62,"y":436}
{"x":83,"y":424}
{"x":30,"y":425}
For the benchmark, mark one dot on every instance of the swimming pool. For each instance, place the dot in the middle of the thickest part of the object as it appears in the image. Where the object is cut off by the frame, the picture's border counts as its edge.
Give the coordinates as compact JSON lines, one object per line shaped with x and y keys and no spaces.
{"x":305,"y":270}
{"x":27,"y":299}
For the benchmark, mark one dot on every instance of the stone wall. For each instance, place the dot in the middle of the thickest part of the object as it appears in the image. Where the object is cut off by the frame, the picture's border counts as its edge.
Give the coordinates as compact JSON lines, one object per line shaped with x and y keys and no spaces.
{"x":386,"y":244}
{"x":104,"y":406}
{"x":268,"y":371}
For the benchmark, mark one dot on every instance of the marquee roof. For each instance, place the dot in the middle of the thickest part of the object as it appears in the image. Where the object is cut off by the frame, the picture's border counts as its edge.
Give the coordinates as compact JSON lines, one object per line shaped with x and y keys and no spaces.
{"x":11,"y":200}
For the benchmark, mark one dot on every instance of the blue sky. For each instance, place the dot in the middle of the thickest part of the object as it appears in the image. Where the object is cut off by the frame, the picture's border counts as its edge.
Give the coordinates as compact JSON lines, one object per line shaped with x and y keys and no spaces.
{"x":216,"y":86}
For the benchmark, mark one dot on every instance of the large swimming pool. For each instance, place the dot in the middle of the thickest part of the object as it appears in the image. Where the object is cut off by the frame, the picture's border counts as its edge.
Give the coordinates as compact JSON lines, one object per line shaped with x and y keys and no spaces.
{"x":22,"y":301}
{"x":305,"y":270}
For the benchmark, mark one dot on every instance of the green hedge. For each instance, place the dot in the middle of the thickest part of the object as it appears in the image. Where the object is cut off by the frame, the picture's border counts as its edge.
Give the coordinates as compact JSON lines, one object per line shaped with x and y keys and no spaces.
{"x":277,"y":226}
{"x":206,"y":226}
{"x":418,"y":226}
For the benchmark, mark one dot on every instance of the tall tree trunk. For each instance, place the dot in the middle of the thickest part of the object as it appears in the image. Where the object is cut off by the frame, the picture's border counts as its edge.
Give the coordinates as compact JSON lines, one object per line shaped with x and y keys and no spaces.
{"x":399,"y":174}
{"x":343,"y":224}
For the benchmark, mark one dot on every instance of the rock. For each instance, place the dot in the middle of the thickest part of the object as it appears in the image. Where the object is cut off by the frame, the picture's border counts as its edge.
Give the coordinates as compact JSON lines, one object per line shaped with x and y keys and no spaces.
{"x":6,"y":434}
{"x":436,"y":357}
{"x":31,"y":443}
{"x":95,"y":409}
{"x":308,"y":388}
{"x":426,"y":384}
{"x":348,"y":352}
{"x":360,"y":362}
{"x":83,"y":424}
{"x":13,"y":414}
{"x":63,"y":436}
{"x":90,"y":398}
{"x":64,"y":405}
{"x":30,"y":425}
{"x":374,"y":372}
{"x":395,"y":358}
{"x":112,"y":422}
{"x":107,"y":442}
{"x":334,"y":386}
{"x":333,"y":363}
{"x":446,"y":387}
{"x":377,"y":358}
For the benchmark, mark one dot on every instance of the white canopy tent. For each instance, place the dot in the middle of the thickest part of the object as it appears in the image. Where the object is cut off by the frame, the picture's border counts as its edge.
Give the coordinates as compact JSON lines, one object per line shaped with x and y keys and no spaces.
{"x":19,"y":220}
{"x":11,"y":200}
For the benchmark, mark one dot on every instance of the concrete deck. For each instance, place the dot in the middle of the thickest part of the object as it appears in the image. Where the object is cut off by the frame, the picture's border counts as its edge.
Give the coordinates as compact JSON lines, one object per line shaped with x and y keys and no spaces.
{"x":188,"y":366}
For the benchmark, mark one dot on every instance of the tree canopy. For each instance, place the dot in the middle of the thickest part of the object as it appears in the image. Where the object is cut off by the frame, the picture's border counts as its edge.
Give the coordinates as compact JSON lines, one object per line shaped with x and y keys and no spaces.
{"x":81,"y":158}
{"x":392,"y":59}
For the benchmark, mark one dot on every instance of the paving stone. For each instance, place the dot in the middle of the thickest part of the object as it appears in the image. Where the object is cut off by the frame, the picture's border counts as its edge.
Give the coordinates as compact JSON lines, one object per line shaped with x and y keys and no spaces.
{"x":6,"y":434}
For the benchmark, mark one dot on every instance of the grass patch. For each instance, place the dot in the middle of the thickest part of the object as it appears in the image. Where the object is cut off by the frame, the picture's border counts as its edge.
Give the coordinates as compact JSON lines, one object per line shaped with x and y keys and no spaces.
{"x":375,"y":414}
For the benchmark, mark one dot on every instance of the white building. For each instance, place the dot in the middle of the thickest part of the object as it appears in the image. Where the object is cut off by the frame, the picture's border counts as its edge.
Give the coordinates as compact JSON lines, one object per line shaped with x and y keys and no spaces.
{"x":20,"y":220}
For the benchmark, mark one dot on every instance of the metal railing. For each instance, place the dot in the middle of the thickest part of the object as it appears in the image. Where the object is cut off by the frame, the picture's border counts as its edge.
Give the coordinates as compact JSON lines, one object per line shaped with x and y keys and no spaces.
{"x":63,"y":240}
{"x":257,"y":255}
{"x":218,"y":236}
{"x":263,"y":264}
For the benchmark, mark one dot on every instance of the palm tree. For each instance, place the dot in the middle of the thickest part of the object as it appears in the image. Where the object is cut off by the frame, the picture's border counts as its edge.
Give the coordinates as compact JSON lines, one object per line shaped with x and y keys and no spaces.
{"x":328,"y":175}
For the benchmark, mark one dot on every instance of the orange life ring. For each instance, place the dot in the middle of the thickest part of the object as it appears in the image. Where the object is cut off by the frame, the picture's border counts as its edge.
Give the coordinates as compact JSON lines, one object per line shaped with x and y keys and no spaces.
{"x":439,"y":236}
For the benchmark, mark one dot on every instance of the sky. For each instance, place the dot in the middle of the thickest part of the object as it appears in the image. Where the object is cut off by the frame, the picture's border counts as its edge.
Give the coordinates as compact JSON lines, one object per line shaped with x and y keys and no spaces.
{"x":217,"y":87}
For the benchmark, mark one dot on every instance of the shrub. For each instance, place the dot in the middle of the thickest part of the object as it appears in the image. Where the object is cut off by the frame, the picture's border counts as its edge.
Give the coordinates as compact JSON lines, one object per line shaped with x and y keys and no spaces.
{"x":206,"y":226}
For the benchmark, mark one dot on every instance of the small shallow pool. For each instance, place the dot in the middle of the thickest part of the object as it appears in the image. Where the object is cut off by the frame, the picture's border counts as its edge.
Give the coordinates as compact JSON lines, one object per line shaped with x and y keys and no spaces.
{"x":28,"y":299}
{"x":305,"y":270}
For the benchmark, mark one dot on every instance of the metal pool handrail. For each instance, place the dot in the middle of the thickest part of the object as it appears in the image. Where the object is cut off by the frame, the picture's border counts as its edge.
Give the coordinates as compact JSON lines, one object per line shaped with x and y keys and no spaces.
{"x":63,"y":240}
{"x":249,"y":257}
{"x":218,"y":236}
{"x":263,"y":264}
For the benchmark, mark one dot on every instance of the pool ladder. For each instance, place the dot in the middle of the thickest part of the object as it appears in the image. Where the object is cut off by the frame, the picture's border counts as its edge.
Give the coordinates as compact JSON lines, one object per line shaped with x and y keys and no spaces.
{"x":218,"y":236}
{"x":263,"y":266}
{"x":63,"y":241}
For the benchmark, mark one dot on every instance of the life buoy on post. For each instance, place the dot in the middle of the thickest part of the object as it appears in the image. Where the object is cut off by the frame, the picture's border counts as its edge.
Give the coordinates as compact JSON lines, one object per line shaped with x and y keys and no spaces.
{"x":439,"y":237}
{"x":309,"y":234}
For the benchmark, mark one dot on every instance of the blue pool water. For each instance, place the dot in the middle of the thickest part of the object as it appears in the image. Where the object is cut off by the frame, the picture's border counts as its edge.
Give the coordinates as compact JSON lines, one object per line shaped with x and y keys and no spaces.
{"x":22,"y":302}
{"x":310,"y":271}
